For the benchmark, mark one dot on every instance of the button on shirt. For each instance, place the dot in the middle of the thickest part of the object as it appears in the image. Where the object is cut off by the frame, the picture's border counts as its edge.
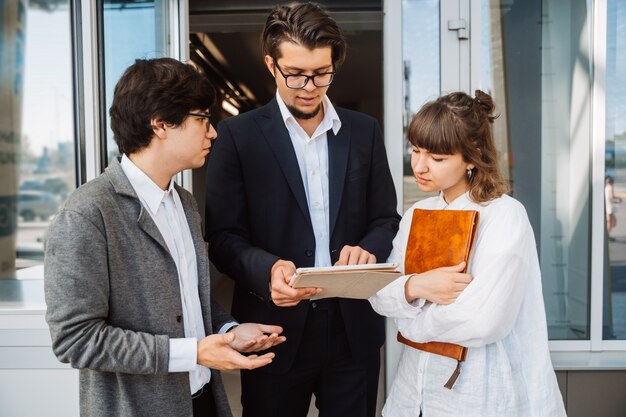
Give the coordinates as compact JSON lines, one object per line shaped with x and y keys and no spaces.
{"x":312,"y":155}
{"x":167,"y":211}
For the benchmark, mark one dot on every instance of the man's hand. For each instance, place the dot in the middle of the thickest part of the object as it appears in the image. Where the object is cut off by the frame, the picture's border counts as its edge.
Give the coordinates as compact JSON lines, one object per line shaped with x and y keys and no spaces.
{"x":439,"y":286}
{"x":253,"y":337}
{"x":281,"y":292}
{"x":355,"y":255}
{"x":214,"y":352}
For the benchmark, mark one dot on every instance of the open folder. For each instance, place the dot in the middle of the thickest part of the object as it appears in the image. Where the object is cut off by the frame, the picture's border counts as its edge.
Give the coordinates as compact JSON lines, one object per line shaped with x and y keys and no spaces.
{"x":349,"y":281}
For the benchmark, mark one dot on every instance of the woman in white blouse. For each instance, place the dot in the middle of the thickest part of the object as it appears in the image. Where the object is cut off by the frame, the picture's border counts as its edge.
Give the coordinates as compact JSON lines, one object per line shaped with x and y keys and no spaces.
{"x":500,"y":315}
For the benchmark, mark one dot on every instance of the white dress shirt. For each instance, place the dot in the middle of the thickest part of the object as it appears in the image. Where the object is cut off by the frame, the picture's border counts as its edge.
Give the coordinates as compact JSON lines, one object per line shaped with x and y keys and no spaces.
{"x":500,"y":316}
{"x":312,"y":154}
{"x":167,"y":211}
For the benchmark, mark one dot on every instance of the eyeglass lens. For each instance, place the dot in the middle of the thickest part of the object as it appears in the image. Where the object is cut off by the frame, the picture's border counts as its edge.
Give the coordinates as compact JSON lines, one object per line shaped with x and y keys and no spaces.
{"x":299,"y":81}
{"x":206,"y":117}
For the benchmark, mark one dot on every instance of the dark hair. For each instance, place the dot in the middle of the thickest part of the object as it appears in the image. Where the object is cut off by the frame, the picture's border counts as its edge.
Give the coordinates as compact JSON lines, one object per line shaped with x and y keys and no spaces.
{"x":163,"y":88}
{"x":306,"y":24}
{"x":458,"y":123}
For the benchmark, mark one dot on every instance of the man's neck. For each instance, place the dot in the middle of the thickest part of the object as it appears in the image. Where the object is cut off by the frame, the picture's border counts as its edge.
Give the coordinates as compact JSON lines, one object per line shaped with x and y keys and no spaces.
{"x":153,"y":167}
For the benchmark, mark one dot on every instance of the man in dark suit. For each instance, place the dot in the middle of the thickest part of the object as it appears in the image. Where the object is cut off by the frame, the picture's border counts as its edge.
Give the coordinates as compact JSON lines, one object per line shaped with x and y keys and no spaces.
{"x":299,"y":183}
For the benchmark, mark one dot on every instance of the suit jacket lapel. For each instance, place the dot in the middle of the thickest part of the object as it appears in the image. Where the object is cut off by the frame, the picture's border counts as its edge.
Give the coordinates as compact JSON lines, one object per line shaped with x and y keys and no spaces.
{"x":122,"y":186}
{"x":146,"y":224}
{"x":338,"y":150}
{"x":277,"y":137}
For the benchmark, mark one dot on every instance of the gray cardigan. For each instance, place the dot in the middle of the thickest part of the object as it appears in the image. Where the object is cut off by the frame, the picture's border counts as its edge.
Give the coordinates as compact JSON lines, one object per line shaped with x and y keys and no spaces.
{"x":113,"y":300}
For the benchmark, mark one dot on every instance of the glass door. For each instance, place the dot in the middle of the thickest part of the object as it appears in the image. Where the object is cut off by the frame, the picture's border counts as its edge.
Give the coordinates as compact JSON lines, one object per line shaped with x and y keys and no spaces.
{"x":535,"y":60}
{"x":614,"y":297}
{"x":133,"y":30}
{"x":37,"y":141}
{"x":435,"y":60}
{"x":422,"y":70}
{"x":533,"y":57}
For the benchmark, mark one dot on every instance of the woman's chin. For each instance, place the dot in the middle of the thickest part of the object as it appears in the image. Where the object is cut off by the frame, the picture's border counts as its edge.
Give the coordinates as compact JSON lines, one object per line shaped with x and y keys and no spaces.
{"x":425,"y":188}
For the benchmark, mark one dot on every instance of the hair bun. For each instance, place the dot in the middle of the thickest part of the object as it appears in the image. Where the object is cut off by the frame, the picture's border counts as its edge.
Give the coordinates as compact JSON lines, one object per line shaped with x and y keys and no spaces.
{"x":485,"y":103}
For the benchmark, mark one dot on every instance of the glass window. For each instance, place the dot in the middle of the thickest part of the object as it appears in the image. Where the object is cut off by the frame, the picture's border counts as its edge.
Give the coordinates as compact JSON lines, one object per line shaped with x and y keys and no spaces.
{"x":615,"y":174}
{"x":132,"y":30}
{"x":540,"y":79}
{"x":421,"y":52}
{"x":36,"y":126}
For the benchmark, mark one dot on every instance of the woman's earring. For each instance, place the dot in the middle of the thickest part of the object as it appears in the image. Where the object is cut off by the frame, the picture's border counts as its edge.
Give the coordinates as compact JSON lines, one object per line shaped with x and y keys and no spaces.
{"x":469,"y":173}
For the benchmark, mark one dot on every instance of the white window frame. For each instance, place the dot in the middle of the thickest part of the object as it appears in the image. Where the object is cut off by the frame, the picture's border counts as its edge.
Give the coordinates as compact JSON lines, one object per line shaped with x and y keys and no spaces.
{"x":90,"y":101}
{"x":597,"y":171}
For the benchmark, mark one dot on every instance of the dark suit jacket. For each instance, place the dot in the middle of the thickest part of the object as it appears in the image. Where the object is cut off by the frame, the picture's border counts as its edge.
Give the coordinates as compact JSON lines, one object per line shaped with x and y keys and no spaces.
{"x":114,"y":302}
{"x":257,"y":213}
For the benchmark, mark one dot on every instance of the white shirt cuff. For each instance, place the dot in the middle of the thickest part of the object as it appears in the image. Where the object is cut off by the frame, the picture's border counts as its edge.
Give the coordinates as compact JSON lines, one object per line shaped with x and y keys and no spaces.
{"x":183,"y":354}
{"x":400,"y":297}
{"x":391,"y":301}
{"x":227,"y":327}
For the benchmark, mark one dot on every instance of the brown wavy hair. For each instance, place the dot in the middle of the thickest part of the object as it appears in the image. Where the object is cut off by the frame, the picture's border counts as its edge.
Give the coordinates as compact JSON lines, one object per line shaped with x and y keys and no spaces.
{"x":306,"y":24}
{"x":458,"y":123}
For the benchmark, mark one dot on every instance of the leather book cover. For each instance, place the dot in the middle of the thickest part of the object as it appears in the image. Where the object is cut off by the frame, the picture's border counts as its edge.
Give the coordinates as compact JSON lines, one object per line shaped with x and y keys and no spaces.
{"x":439,"y":238}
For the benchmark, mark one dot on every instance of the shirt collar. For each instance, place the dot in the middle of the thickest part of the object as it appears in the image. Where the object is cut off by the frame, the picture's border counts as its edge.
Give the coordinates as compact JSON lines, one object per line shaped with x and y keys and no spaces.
{"x":330,"y":121}
{"x":147,"y":191}
{"x":459,"y":203}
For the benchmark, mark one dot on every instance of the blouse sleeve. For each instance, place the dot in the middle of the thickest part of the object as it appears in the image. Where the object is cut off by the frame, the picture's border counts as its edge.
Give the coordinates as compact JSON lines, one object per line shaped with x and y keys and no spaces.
{"x":390,"y":301}
{"x":504,"y":258}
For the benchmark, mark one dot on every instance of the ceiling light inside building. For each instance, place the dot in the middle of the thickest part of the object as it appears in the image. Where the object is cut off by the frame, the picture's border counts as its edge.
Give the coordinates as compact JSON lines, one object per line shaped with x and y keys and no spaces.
{"x":226,"y":105}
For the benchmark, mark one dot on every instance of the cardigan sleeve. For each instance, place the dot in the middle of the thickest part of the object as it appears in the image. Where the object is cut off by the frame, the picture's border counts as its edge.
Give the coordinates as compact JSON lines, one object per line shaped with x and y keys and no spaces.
{"x":76,"y":281}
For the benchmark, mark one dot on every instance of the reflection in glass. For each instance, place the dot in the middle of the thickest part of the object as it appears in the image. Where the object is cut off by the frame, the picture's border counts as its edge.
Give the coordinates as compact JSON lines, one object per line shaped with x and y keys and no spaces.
{"x":132,"y":30}
{"x":540,"y":79}
{"x":615,"y":174}
{"x":493,"y":78}
{"x":420,"y":49}
{"x":36,"y":126}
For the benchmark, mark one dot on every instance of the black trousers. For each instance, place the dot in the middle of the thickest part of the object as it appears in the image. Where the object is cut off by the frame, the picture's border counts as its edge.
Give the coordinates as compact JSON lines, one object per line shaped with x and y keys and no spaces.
{"x":343,"y":386}
{"x":204,"y":404}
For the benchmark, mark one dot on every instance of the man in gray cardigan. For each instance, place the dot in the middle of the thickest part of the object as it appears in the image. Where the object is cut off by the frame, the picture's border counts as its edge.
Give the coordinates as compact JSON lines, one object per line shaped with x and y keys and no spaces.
{"x":126,"y":267}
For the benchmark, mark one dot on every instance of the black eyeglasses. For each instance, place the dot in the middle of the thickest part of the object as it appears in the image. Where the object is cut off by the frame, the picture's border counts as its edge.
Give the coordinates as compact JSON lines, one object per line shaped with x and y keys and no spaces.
{"x":206,"y":116}
{"x":300,"y":80}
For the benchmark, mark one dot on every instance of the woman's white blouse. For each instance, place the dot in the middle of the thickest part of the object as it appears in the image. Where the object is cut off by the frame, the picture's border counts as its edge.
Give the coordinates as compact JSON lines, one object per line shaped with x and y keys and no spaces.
{"x":500,"y":316}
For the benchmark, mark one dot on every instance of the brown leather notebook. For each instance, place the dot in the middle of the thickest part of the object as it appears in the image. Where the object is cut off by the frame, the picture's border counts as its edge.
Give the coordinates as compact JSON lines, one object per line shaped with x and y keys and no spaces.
{"x":440,"y":238}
